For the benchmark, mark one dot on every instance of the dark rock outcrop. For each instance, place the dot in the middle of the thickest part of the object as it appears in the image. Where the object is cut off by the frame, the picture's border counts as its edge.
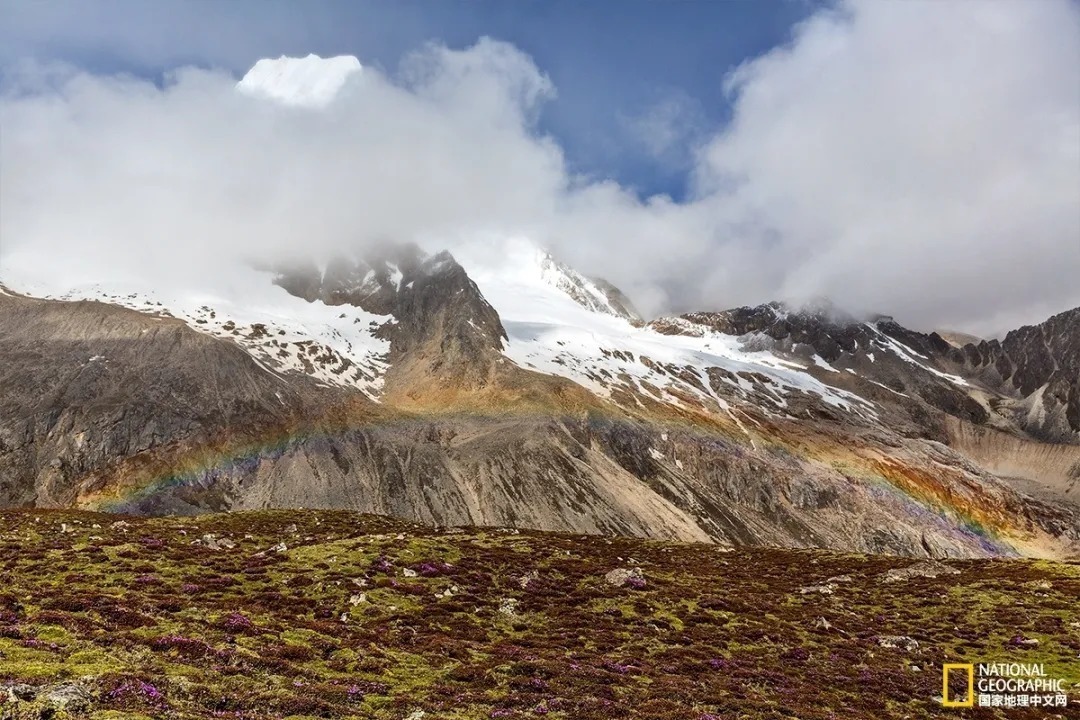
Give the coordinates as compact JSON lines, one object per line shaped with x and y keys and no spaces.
{"x":875,"y":357}
{"x":1039,"y":364}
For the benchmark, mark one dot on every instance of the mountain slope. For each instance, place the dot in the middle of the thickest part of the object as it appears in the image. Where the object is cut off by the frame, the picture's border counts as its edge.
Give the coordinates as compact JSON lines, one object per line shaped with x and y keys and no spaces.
{"x":512,"y":398}
{"x":93,"y":391}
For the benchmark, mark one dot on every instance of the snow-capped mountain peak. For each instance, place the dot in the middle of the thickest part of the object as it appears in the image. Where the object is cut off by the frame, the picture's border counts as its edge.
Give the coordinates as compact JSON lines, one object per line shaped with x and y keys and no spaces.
{"x":311,"y":81}
{"x":559,"y":322}
{"x":514,"y":265}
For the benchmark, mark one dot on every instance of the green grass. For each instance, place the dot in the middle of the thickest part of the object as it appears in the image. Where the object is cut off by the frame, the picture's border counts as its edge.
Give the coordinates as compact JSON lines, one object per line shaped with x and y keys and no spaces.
{"x":152,"y":624}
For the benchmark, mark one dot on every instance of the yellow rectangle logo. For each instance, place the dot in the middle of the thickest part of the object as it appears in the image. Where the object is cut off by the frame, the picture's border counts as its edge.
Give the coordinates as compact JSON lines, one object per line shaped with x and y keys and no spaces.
{"x":969,"y":699}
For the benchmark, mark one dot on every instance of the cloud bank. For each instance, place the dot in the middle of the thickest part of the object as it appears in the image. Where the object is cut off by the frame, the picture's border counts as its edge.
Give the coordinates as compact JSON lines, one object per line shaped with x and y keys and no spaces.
{"x":916,"y":158}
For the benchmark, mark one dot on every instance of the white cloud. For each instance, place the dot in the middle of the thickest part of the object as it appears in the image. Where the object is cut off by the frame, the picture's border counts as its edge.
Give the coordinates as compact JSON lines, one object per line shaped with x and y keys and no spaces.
{"x":917,"y":158}
{"x":120,"y":170}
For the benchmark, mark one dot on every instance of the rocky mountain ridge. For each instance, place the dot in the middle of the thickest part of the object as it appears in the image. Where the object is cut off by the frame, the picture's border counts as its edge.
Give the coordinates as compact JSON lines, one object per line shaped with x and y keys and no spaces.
{"x":534,"y":398}
{"x":1037,"y":370}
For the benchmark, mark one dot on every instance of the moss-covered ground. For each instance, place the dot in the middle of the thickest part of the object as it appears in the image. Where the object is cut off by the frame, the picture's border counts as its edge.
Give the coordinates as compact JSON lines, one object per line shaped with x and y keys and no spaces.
{"x":356,"y":616}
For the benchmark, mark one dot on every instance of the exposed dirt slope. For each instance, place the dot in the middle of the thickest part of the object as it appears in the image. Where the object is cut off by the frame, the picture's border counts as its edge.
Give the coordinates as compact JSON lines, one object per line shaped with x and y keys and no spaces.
{"x":1048,"y":470}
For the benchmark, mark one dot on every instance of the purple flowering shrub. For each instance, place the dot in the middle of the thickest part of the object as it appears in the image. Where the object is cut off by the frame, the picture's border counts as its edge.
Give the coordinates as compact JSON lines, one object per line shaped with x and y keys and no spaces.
{"x":362,"y":616}
{"x":137,"y":692}
{"x":236,"y":622}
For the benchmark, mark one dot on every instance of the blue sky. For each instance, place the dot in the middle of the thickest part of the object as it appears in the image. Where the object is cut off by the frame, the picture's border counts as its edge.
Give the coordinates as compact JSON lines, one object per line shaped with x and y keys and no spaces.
{"x":615,"y":64}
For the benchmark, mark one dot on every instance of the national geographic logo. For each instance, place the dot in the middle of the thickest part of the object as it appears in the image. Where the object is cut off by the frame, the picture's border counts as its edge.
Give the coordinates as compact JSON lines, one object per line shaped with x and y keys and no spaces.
{"x":947,"y":696}
{"x":1005,"y":685}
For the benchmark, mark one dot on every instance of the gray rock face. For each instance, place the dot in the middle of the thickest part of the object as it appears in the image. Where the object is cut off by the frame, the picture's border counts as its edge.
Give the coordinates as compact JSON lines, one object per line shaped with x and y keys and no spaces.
{"x":429,"y":297}
{"x":440,"y":303}
{"x":371,"y":283}
{"x":1039,"y":363}
{"x":617,"y":300}
{"x":443,"y":327}
{"x":865,"y":347}
{"x":86,"y":385}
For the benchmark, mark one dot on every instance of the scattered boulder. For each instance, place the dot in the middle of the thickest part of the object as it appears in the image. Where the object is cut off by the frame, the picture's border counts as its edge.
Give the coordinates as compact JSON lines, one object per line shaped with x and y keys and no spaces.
{"x":927,"y":569}
{"x":508,"y":606}
{"x":72,"y":698}
{"x":214,"y":543}
{"x":68,"y":698}
{"x":408,"y":572}
{"x":899,"y":642}
{"x":826,"y":588}
{"x":448,"y":592}
{"x":620,"y":577}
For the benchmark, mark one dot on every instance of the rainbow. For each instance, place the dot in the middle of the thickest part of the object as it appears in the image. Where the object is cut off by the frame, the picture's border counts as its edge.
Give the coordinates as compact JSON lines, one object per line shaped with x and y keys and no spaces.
{"x":913,"y":491}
